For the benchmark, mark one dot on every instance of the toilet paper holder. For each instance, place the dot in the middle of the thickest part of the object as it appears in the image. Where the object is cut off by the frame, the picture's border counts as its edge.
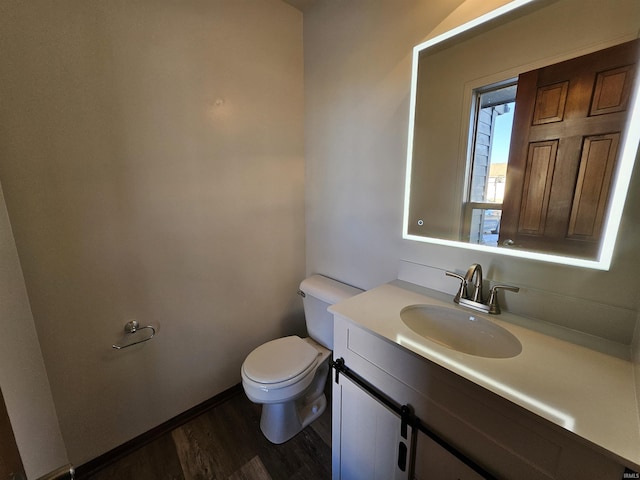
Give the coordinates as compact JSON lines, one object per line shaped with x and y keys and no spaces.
{"x":132,"y":327}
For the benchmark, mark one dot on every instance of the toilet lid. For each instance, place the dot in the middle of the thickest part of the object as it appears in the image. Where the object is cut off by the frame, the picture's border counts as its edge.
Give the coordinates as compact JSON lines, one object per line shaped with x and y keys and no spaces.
{"x":279,"y":360}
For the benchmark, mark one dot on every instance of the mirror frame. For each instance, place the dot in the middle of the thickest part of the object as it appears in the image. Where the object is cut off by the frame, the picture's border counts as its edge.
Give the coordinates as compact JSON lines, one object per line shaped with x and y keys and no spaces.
{"x":628,"y":154}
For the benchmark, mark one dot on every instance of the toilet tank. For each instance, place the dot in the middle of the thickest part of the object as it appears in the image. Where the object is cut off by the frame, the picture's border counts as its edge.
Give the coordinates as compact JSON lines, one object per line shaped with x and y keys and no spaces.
{"x":318,"y":293}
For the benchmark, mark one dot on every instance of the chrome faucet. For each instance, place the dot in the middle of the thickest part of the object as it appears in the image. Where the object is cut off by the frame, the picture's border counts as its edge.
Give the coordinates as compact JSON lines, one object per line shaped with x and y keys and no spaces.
{"x":475,"y":271}
{"x":470,"y":291}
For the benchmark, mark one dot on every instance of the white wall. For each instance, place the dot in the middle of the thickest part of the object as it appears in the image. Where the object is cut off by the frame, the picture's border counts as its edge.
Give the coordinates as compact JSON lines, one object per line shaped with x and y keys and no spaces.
{"x":357,"y":81}
{"x":23,"y":379}
{"x":357,"y":74}
{"x":152,"y":161}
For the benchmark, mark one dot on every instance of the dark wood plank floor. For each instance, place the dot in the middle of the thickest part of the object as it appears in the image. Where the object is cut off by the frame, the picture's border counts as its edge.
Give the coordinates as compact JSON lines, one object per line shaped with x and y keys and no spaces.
{"x":226,"y":443}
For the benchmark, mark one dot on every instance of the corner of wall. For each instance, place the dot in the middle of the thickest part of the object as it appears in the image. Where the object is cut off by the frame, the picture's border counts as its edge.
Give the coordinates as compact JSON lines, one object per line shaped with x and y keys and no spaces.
{"x":23,"y":376}
{"x":635,"y":353}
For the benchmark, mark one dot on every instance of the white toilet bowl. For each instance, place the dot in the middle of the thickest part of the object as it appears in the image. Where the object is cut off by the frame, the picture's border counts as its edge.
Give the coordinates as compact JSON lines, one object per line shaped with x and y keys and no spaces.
{"x":287,"y":376}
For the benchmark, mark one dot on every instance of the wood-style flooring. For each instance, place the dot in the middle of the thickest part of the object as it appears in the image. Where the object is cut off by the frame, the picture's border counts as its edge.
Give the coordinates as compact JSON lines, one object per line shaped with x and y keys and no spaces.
{"x":226,"y":443}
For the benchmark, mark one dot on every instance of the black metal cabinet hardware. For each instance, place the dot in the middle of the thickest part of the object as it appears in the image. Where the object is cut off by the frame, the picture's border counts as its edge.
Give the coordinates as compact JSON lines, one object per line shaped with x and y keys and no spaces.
{"x":407,"y":418}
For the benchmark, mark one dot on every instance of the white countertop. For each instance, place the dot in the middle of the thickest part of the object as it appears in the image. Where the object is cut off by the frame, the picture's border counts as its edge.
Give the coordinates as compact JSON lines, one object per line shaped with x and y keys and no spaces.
{"x":587,"y":392}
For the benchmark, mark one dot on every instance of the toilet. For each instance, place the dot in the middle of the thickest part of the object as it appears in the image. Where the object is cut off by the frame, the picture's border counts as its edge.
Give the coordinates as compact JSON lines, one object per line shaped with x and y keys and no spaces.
{"x":288,"y":375}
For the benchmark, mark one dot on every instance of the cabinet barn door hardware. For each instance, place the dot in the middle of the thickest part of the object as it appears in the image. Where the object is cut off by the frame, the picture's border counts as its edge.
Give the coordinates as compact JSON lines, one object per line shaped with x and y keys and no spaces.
{"x":407,"y":418}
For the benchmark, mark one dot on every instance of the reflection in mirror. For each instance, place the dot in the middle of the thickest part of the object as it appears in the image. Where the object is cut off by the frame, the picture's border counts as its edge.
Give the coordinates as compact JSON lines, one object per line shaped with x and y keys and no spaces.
{"x":523,"y":133}
{"x":491,"y":123}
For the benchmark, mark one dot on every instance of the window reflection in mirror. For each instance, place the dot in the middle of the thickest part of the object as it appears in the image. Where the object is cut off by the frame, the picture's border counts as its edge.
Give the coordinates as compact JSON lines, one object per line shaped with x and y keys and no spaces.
{"x":491,"y":125}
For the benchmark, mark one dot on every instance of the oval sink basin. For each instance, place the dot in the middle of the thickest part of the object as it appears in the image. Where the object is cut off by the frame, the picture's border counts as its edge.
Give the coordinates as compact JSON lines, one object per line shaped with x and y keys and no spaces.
{"x":462,"y":331}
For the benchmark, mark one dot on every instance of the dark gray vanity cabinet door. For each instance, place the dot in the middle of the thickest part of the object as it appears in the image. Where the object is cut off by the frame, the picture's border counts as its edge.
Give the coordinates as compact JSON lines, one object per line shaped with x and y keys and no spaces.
{"x":433,"y":461}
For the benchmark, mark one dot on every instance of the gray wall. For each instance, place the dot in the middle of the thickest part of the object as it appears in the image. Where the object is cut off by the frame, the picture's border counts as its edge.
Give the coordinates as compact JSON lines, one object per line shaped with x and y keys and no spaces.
{"x":152,"y":163}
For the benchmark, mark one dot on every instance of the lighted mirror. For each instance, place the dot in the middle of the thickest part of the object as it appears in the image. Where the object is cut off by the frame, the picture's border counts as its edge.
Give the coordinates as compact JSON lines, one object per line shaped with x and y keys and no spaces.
{"x":524,"y":130}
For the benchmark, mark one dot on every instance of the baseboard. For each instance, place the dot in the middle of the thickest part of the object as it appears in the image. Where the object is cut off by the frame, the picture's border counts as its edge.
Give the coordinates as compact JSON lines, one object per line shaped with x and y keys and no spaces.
{"x":98,"y":463}
{"x":63,"y":473}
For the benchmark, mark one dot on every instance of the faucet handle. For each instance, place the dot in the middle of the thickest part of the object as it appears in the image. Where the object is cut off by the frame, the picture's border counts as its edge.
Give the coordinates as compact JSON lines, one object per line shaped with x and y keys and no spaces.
{"x":462,"y":290}
{"x":494,"y":306}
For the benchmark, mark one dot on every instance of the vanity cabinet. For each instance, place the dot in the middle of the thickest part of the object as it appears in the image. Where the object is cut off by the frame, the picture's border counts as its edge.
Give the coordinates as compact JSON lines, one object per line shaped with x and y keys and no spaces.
{"x":369,"y":434}
{"x":432,"y":461}
{"x":372,"y":446}
{"x":504,"y":439}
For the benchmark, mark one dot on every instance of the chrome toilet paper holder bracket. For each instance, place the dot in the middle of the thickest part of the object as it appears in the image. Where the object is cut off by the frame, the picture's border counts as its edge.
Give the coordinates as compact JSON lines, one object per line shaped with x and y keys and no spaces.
{"x":132,"y":327}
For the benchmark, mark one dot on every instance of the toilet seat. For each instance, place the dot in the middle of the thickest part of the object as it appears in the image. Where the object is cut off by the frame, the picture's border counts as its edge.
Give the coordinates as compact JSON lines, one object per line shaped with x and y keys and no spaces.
{"x":280,"y":362}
